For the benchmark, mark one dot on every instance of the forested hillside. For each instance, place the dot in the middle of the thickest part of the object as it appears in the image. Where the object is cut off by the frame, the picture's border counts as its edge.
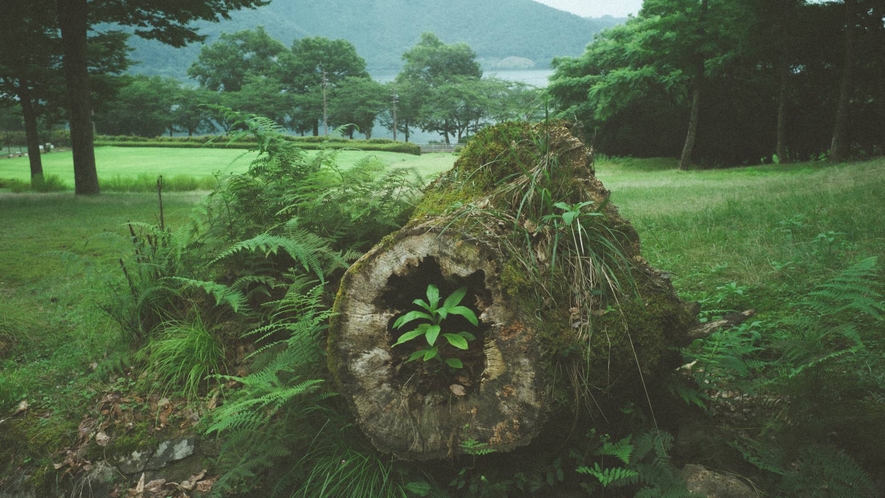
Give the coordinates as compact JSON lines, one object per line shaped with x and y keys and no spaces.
{"x":382,"y":30}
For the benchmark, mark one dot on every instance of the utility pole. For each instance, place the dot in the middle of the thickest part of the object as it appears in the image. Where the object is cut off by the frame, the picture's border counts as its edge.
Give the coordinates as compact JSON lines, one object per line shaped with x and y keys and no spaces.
{"x":325,"y":113}
{"x":395,"y":100}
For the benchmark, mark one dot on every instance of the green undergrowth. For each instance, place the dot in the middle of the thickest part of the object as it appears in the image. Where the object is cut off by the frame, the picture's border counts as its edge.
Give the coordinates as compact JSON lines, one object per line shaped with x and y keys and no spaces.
{"x":803,"y":245}
{"x":228,"y":305}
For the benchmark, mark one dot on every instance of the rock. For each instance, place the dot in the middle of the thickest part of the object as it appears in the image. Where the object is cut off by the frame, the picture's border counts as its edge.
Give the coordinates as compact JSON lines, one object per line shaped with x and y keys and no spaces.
{"x":171,"y":451}
{"x":134,"y":463}
{"x":714,"y":485}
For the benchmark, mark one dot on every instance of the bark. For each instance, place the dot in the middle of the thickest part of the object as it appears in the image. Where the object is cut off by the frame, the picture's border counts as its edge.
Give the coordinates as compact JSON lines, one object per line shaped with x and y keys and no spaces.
{"x":781,"y":148}
{"x":72,"y":17}
{"x":730,"y":320}
{"x":688,"y":147}
{"x":839,"y":145}
{"x":505,"y":392}
{"x":697,"y":83}
{"x":30,"y":118}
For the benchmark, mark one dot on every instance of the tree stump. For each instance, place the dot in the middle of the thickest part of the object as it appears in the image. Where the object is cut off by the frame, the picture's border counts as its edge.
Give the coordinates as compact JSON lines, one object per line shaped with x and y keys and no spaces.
{"x":553,"y":292}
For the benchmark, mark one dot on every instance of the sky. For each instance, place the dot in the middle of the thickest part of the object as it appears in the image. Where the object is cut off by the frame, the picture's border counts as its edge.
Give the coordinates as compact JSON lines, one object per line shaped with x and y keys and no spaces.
{"x":596,"y":8}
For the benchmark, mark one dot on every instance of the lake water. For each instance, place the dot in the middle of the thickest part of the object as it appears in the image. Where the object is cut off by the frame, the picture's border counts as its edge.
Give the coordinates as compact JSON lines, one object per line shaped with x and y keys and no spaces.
{"x":534,"y":77}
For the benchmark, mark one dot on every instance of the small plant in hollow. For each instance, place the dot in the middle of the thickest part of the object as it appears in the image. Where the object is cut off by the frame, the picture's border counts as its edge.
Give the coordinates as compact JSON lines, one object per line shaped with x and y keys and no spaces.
{"x":431,"y":327}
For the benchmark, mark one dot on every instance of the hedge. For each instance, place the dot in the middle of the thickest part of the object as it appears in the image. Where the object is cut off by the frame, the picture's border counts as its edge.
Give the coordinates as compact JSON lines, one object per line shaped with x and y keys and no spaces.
{"x":306,"y":143}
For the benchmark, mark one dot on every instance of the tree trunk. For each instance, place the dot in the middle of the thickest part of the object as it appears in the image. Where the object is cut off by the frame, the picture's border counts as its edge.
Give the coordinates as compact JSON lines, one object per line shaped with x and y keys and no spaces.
{"x":72,"y":18}
{"x":839,"y":146}
{"x":781,"y":147}
{"x":688,"y":147}
{"x":697,"y":83}
{"x":30,"y":118}
{"x":536,"y":320}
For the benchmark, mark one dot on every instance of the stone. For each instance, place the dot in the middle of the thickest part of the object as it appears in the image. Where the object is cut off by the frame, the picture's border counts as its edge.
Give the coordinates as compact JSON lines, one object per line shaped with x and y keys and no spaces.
{"x":171,"y":451}
{"x":134,"y":462}
{"x":715,"y":485}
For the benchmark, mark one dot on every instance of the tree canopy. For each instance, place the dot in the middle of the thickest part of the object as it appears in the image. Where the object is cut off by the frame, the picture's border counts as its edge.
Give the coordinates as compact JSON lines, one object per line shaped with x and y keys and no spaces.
{"x":169,"y":22}
{"x":227,"y":63}
{"x":758,"y":79}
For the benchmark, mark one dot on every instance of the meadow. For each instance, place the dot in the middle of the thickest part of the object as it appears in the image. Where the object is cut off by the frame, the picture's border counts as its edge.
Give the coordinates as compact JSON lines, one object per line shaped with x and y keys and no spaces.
{"x":137,"y":168}
{"x":757,"y":237}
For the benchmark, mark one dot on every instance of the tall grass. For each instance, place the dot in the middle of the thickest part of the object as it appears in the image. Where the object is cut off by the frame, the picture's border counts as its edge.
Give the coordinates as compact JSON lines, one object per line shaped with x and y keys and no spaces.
{"x":768,"y":228}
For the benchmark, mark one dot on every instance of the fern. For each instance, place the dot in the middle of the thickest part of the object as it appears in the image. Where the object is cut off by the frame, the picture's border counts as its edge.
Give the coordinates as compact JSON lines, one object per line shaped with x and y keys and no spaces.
{"x":622,"y":449}
{"x":853,"y":289}
{"x":302,"y":247}
{"x":645,"y":459}
{"x":612,"y":476}
{"x":476,"y":448}
{"x":222,"y":293}
{"x":826,"y":332}
{"x":277,"y":395}
{"x":824,"y":471}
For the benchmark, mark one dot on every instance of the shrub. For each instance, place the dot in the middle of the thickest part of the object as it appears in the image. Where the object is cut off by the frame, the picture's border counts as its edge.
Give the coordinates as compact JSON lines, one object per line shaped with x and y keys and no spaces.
{"x":247,"y":142}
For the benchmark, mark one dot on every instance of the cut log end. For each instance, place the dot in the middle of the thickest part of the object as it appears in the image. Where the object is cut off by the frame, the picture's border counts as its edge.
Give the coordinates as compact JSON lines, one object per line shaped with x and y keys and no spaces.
{"x":422,"y":410}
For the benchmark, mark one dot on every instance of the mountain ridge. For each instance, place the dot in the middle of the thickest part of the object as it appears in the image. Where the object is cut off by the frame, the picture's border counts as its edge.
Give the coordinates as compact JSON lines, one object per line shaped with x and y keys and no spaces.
{"x":502,"y":32}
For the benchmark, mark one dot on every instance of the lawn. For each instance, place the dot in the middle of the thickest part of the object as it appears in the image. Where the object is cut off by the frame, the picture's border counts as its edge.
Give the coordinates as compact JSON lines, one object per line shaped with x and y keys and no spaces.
{"x":763,"y":227}
{"x":115,"y":163}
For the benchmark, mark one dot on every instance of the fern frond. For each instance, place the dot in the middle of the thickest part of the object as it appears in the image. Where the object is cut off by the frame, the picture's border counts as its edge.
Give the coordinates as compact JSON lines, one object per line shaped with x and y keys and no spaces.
{"x":622,"y":449}
{"x":854,"y":288}
{"x":249,"y":413}
{"x":303,"y":247}
{"x":222,"y":293}
{"x":613,"y":476}
{"x":827,"y":468}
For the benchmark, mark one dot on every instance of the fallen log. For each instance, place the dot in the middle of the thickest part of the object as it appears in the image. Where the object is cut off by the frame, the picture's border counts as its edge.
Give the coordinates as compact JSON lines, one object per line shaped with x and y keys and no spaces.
{"x":701,"y":330}
{"x":522,"y":233}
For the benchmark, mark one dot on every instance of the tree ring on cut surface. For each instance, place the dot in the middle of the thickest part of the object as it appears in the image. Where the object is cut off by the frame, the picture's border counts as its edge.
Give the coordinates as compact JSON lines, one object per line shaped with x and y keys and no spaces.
{"x":497,"y":400}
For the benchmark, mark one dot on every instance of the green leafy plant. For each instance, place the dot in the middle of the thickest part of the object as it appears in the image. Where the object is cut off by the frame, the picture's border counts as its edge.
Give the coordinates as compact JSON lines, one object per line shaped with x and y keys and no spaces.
{"x":642,"y":460}
{"x":433,"y":316}
{"x":185,"y":354}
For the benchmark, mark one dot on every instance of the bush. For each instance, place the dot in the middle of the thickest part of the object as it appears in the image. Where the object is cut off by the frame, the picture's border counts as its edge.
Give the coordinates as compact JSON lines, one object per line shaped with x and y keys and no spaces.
{"x":148,"y":183}
{"x":59,"y":138}
{"x":50,"y":183}
{"x":226,"y":142}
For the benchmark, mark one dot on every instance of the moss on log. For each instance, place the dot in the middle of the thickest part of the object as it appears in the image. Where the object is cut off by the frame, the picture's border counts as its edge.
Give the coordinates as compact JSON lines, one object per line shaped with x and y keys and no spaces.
{"x":555,"y":276}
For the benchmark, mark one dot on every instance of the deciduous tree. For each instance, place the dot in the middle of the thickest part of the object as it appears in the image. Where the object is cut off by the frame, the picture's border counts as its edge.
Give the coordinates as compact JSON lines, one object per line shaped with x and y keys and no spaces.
{"x":315,"y":65}
{"x":227,"y":64}
{"x":433,"y":70}
{"x":143,"y":107}
{"x":355,"y":103}
{"x":29,"y":63}
{"x":169,"y":22}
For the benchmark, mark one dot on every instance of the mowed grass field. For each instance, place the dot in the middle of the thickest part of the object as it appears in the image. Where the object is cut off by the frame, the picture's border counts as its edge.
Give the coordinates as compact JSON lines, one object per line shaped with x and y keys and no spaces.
{"x":114,"y":163}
